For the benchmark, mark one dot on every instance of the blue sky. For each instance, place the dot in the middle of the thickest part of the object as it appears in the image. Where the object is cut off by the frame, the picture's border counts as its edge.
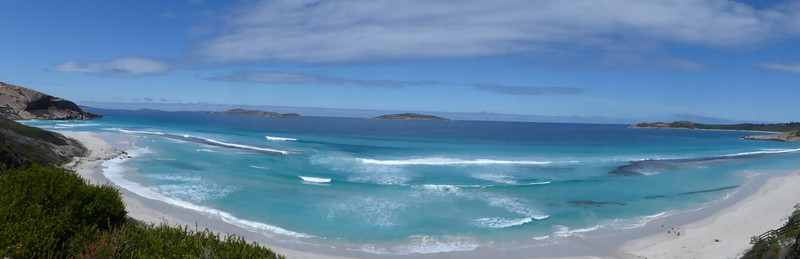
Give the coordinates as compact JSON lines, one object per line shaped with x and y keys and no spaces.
{"x":705,"y":60}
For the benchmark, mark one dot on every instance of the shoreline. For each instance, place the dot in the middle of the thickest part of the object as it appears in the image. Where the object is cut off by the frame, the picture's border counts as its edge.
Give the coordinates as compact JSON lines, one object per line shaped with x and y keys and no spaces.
{"x":109,"y":146}
{"x":767,"y":208}
{"x":642,"y":242}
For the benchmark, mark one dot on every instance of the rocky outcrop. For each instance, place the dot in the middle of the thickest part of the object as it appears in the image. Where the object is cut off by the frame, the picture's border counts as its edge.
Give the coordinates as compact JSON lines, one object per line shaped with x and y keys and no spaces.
{"x":410,"y":116}
{"x":793,"y":136}
{"x":257,"y":113}
{"x":20,"y":103}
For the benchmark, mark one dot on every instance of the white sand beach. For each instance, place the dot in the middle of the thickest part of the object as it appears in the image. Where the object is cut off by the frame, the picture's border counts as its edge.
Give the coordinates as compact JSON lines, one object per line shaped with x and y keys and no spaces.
{"x":768,"y":208}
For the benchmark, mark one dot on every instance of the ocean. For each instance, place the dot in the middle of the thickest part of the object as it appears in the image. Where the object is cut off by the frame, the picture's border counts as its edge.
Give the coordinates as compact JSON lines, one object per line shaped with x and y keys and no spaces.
{"x":404,"y":187}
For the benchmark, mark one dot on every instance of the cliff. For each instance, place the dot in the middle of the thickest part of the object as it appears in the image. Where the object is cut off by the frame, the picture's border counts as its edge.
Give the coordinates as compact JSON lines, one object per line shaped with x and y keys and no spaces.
{"x":410,"y":116}
{"x":257,"y":113}
{"x":20,"y":103}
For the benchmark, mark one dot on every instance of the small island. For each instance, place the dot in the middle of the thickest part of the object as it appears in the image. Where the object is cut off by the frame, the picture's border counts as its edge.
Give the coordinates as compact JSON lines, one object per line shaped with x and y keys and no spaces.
{"x":256,"y":113}
{"x":410,"y":116}
{"x":786,"y":131}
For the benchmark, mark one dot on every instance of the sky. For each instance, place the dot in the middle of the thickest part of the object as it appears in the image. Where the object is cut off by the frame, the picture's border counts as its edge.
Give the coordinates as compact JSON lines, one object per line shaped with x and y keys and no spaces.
{"x":631,"y":60}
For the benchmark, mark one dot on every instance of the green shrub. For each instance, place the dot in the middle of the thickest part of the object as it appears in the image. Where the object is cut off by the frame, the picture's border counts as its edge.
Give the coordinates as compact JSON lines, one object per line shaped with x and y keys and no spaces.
{"x":49,"y":212}
{"x":163,"y":241}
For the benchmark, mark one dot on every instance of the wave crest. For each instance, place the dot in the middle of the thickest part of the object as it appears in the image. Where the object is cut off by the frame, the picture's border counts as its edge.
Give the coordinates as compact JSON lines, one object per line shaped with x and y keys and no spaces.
{"x":449,"y":161}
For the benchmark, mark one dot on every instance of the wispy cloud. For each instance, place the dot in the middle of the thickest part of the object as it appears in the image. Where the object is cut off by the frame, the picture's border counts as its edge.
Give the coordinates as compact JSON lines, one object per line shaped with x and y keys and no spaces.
{"x":782,"y":67}
{"x":294,"y":78}
{"x":365,"y":30}
{"x":527,"y":90}
{"x":126,"y":66}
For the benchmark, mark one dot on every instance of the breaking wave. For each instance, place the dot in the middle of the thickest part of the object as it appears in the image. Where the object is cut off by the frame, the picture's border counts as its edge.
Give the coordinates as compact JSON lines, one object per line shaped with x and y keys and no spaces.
{"x":113,"y":170}
{"x":498,"y":222}
{"x":315,"y":179}
{"x":449,"y":161}
{"x":280,"y":138}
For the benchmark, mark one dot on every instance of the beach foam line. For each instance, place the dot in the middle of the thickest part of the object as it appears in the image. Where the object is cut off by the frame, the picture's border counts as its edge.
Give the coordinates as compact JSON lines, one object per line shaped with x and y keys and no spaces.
{"x":448,"y":161}
{"x":499,"y":222}
{"x":240,"y":146}
{"x":763,"y":152}
{"x":114,"y":168}
{"x":280,"y":138}
{"x":259,"y":167}
{"x":422,"y":244}
{"x":209,"y":141}
{"x":76,"y":124}
{"x":654,"y":166}
{"x":314,"y":179}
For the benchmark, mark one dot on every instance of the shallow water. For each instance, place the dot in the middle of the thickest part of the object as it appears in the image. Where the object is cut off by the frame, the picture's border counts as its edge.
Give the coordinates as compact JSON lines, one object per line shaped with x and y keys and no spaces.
{"x":400,"y":187}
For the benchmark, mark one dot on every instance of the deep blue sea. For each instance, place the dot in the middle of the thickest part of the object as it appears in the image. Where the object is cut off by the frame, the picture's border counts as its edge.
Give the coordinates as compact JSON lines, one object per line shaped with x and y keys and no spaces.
{"x":399,"y":187}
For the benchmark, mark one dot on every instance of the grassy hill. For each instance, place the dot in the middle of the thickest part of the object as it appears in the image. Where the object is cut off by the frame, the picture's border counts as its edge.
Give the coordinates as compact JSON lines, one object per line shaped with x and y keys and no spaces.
{"x":22,"y":145}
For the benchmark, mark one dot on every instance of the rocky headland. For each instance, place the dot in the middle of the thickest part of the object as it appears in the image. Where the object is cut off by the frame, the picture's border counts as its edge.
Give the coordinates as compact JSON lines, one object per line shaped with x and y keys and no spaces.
{"x":785,"y":131}
{"x":256,"y":113}
{"x":20,"y":103}
{"x":22,"y":145}
{"x":410,"y":116}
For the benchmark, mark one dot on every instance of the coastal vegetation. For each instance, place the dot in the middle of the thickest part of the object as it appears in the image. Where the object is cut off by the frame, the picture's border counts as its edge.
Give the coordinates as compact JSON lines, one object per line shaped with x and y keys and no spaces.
{"x":256,"y":113}
{"x":22,"y":145}
{"x":786,"y":131}
{"x":774,"y":127}
{"x":48,"y":212}
{"x":51,"y":212}
{"x":780,"y":245}
{"x":410,"y":116}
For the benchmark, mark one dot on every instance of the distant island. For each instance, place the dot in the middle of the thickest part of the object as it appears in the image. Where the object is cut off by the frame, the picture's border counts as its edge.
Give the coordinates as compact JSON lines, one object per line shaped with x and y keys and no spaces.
{"x":786,"y":131}
{"x":410,"y":116}
{"x":256,"y":113}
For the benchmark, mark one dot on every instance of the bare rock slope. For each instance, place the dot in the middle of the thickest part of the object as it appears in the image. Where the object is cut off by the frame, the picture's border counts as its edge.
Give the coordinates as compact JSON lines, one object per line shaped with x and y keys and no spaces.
{"x":20,"y":103}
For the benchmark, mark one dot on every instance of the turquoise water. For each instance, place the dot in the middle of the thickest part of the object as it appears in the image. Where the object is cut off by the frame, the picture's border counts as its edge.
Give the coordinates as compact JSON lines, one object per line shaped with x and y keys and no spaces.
{"x":399,"y":187}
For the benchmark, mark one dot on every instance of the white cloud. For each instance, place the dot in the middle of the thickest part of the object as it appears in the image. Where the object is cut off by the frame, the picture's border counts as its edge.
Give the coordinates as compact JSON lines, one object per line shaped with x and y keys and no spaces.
{"x":782,"y":67}
{"x":367,"y":30}
{"x":126,"y":66}
{"x":293,"y":78}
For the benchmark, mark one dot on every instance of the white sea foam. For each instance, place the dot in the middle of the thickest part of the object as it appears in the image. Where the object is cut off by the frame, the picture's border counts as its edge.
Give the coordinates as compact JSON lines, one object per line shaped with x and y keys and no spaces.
{"x":114,"y":169}
{"x":440,"y":189}
{"x":516,"y":206}
{"x":375,"y":211}
{"x":168,"y":177}
{"x":498,"y":178}
{"x":429,"y":245}
{"x":539,"y":183}
{"x":77,"y":124}
{"x":498,"y":222}
{"x":259,"y":167}
{"x":541,"y":237}
{"x":141,"y":132}
{"x":315,"y":179}
{"x":205,"y":150}
{"x":280,"y":138}
{"x":195,"y":191}
{"x":448,"y":161}
{"x":245,"y":146}
{"x":564,"y":231}
{"x":763,"y":152}
{"x":421,"y":244}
